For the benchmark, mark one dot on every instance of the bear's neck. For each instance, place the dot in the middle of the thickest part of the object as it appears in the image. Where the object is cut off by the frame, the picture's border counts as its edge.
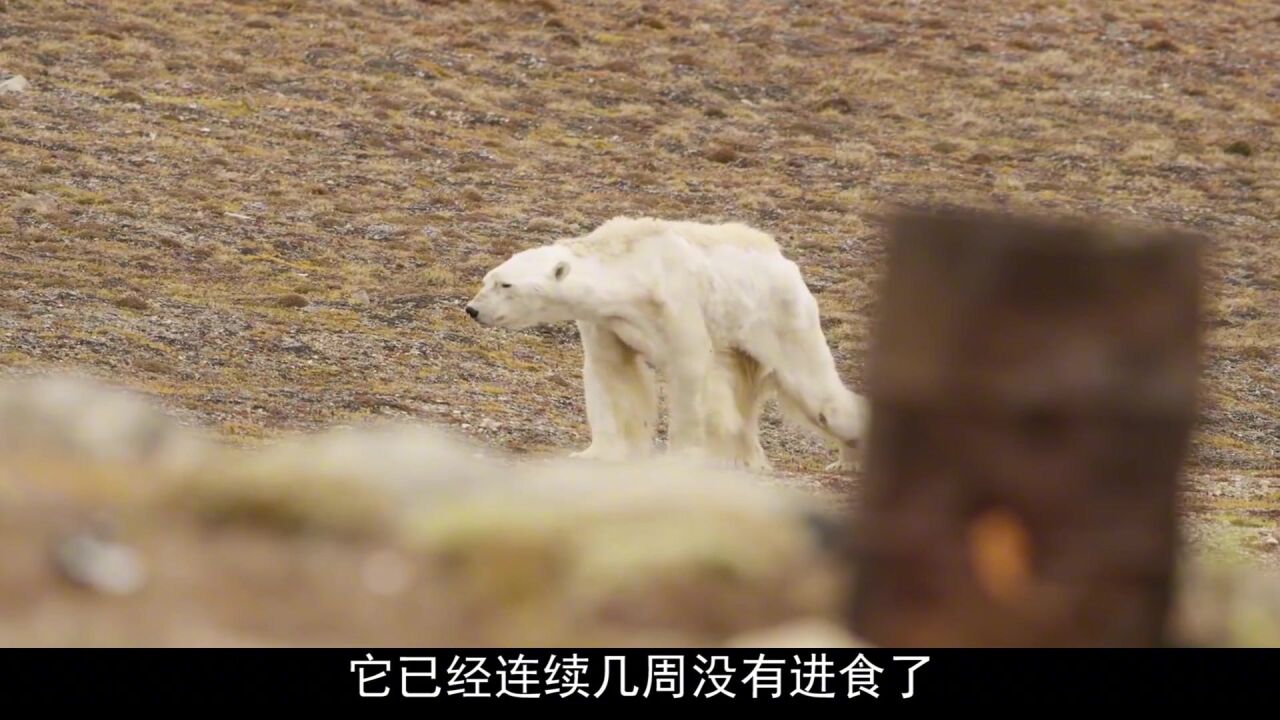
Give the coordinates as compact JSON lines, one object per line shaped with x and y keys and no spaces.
{"x":590,"y":292}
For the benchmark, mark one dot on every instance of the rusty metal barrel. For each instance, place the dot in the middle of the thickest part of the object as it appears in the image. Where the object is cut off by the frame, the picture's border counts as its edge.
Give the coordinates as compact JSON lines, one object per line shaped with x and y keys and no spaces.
{"x":1033,"y":389}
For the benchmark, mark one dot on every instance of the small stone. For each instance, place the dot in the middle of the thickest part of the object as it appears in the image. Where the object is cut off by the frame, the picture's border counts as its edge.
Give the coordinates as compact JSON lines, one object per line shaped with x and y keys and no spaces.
{"x":838,"y":104}
{"x":722,"y":154}
{"x":100,"y":565}
{"x":382,"y":231}
{"x":542,"y":224}
{"x":1239,"y":147}
{"x":14,"y":85}
{"x":133,"y":302}
{"x":130,"y":97}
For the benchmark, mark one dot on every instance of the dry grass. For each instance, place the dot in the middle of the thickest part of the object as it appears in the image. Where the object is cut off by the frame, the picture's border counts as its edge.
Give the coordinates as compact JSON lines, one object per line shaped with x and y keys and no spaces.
{"x":265,"y":214}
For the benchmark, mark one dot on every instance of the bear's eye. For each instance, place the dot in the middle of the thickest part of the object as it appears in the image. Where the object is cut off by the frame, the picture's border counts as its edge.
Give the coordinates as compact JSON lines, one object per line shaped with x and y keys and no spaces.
{"x":504,"y":285}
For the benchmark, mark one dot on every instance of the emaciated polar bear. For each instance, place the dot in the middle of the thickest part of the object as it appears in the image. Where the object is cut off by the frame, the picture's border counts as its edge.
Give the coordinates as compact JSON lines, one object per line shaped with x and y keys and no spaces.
{"x":716,"y":308}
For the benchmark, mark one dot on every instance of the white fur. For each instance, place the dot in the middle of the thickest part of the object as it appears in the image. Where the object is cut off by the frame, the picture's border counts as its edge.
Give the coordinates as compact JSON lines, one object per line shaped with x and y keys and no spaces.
{"x":717,"y":309}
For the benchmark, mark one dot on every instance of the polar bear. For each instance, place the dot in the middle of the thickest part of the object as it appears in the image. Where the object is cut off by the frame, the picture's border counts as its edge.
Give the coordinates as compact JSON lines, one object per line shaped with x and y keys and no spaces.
{"x":715,"y":308}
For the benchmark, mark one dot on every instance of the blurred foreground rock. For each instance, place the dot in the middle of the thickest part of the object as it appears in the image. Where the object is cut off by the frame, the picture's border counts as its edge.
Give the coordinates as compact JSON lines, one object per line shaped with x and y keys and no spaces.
{"x":384,"y":535}
{"x":1227,"y":605}
{"x":72,"y":437}
{"x":119,"y":527}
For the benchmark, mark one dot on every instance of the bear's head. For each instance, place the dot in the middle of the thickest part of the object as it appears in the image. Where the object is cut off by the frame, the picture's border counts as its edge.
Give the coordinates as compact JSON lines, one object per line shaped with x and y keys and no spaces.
{"x":846,"y":416}
{"x":526,"y":290}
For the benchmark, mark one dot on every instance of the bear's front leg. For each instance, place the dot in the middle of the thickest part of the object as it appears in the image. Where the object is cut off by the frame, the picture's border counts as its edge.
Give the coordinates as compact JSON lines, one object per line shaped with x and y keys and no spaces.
{"x":850,"y":459}
{"x":621,"y":397}
{"x":731,"y":418}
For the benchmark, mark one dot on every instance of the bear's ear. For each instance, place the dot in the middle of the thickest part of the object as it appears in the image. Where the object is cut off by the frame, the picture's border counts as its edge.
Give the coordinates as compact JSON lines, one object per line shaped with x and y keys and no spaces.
{"x":561,"y":271}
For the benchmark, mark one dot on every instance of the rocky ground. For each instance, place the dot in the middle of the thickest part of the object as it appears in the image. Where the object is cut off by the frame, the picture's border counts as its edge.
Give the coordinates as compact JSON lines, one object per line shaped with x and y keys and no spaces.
{"x":121,"y":527}
{"x":267,"y":215}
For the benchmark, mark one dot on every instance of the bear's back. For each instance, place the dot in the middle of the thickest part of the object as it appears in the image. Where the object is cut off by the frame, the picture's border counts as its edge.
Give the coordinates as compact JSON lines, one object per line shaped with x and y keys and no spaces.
{"x":620,"y":235}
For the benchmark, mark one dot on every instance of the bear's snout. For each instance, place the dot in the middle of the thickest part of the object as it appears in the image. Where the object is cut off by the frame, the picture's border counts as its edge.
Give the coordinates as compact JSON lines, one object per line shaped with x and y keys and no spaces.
{"x":473,"y":312}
